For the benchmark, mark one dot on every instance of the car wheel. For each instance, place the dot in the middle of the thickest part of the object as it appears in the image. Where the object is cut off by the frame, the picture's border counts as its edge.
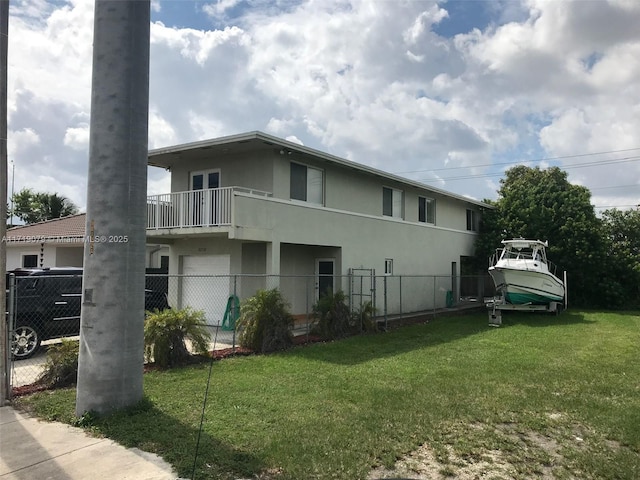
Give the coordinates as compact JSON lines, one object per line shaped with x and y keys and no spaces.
{"x":25,"y":341}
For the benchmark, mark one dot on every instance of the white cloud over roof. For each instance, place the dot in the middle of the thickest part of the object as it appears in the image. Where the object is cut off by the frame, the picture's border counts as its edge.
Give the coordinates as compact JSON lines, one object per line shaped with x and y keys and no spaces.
{"x":370,"y":81}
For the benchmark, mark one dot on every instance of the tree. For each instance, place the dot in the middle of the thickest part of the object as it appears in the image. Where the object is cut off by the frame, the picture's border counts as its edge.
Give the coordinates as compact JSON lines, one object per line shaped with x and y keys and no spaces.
{"x":622,"y":236}
{"x":490,"y":235}
{"x":542,"y":204}
{"x":32,"y":207}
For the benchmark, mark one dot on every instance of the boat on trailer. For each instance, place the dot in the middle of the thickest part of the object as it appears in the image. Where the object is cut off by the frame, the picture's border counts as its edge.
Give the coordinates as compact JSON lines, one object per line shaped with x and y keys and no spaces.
{"x":522,"y":273}
{"x":525,"y":279}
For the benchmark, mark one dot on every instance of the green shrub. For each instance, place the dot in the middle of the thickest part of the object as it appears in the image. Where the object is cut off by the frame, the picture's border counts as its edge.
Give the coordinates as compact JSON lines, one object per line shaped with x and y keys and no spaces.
{"x":333,"y":316}
{"x":265,"y":322}
{"x":166,"y":332}
{"x":61,"y":367}
{"x":365,"y":318}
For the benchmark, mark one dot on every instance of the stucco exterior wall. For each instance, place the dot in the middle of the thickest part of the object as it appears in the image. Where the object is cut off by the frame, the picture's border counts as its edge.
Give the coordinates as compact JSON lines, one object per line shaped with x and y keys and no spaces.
{"x":49,"y":255}
{"x":252,"y":170}
{"x":15,"y":253}
{"x":365,"y":241}
{"x":69,"y":256}
{"x":344,"y":189}
{"x":55,"y":255}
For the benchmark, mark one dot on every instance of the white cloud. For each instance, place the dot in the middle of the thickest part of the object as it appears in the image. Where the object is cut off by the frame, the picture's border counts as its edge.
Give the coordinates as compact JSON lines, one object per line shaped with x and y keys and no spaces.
{"x":363,"y":79}
{"x":423,"y":23}
{"x":294,"y":139}
{"x":219,"y":7}
{"x":21,"y":140}
{"x":204,"y":127}
{"x":566,"y":75}
{"x":51,"y":57}
{"x":280,"y":127}
{"x":159,"y":182}
{"x":194,"y":44}
{"x":161,"y":132}
{"x":77,"y":138}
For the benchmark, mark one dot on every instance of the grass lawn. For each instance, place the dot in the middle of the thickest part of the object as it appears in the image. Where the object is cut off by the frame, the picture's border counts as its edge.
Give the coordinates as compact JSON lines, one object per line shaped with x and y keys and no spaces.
{"x":542,"y":396}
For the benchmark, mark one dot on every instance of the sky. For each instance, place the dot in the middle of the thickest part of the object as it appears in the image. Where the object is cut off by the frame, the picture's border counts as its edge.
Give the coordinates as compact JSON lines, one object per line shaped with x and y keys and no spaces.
{"x":448,"y":93}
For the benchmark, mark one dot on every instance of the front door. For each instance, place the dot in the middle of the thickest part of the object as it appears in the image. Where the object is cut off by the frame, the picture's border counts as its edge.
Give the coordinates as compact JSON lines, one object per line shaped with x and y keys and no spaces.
{"x":324,"y":276}
{"x":203,"y":201}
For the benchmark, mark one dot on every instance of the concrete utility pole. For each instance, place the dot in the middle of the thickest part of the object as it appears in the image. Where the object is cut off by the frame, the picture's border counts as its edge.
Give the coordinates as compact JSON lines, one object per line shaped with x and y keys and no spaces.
{"x":4,"y":340}
{"x":112,"y":321}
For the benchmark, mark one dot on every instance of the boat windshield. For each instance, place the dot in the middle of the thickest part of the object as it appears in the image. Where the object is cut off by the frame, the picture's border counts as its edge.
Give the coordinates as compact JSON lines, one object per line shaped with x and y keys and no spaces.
{"x":534,"y":253}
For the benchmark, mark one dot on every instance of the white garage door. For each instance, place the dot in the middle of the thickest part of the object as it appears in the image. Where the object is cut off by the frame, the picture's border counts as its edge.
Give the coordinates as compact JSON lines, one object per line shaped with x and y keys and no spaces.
{"x":205,"y":285}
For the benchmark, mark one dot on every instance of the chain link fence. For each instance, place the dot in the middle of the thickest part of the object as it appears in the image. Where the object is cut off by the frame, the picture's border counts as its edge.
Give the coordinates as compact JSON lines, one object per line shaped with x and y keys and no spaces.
{"x":44,"y":308}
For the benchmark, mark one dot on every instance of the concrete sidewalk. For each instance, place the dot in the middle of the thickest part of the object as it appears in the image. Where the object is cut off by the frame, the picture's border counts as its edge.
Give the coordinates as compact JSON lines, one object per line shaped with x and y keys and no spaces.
{"x":33,"y":449}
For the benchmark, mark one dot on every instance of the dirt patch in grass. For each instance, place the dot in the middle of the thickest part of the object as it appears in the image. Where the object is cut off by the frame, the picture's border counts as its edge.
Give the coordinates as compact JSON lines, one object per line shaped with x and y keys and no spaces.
{"x":424,"y":464}
{"x":501,"y":452}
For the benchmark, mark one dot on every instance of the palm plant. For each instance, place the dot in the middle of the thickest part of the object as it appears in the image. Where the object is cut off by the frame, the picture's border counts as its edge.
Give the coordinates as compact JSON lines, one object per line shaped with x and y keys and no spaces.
{"x":265,"y":322}
{"x":32,"y":207}
{"x":167,"y":331}
{"x":56,"y":206}
{"x":333,"y":316}
{"x":61,"y":367}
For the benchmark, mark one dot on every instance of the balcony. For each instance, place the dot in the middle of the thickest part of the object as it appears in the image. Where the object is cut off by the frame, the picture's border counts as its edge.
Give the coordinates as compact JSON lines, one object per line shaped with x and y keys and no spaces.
{"x":196,"y":208}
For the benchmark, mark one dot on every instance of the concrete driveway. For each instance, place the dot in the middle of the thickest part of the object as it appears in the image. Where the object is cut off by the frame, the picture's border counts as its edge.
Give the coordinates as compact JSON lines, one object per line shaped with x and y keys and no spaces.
{"x":24,"y":372}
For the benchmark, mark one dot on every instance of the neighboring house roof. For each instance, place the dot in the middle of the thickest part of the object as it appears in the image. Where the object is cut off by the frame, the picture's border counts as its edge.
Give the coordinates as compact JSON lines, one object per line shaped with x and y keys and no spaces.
{"x":70,"y":229}
{"x":167,"y":157}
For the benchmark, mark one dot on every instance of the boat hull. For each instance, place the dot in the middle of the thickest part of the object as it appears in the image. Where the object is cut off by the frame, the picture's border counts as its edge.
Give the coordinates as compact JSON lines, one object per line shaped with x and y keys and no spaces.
{"x":527,"y":286}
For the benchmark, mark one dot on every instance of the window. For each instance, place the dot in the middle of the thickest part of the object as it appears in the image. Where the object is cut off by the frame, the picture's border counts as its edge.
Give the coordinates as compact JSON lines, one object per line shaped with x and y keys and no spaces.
{"x":391,"y":202}
{"x":388,"y":266}
{"x":306,"y":184}
{"x":472,"y":220}
{"x":205,"y":179}
{"x":29,"y":261}
{"x":426,"y":210}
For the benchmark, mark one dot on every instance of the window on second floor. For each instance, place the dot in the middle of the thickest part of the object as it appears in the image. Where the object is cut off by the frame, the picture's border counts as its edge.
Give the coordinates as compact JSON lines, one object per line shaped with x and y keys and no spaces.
{"x":307,"y":184}
{"x":426,"y":210}
{"x":391,"y":202}
{"x":472,"y":220}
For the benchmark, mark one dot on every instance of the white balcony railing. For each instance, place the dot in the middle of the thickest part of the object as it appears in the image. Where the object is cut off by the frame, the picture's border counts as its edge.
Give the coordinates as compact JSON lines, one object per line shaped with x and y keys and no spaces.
{"x":196,"y":208}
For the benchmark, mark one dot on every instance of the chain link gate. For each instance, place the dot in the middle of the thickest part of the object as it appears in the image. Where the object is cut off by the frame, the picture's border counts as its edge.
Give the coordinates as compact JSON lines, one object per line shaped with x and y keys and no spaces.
{"x":362,"y":289}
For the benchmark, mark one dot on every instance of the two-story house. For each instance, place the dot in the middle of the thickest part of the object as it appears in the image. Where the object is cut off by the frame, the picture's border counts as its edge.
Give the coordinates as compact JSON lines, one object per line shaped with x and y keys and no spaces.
{"x":257,"y":204}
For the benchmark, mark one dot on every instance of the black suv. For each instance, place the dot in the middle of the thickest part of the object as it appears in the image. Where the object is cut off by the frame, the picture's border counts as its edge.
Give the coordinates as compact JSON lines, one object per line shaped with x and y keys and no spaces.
{"x":47,"y":305}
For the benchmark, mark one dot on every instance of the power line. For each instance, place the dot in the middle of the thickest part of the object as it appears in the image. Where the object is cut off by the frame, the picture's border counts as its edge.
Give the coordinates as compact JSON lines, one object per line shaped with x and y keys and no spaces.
{"x":565,"y":167}
{"x":616,"y":186}
{"x":602,"y":162}
{"x":518,"y":162}
{"x":615,"y":206}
